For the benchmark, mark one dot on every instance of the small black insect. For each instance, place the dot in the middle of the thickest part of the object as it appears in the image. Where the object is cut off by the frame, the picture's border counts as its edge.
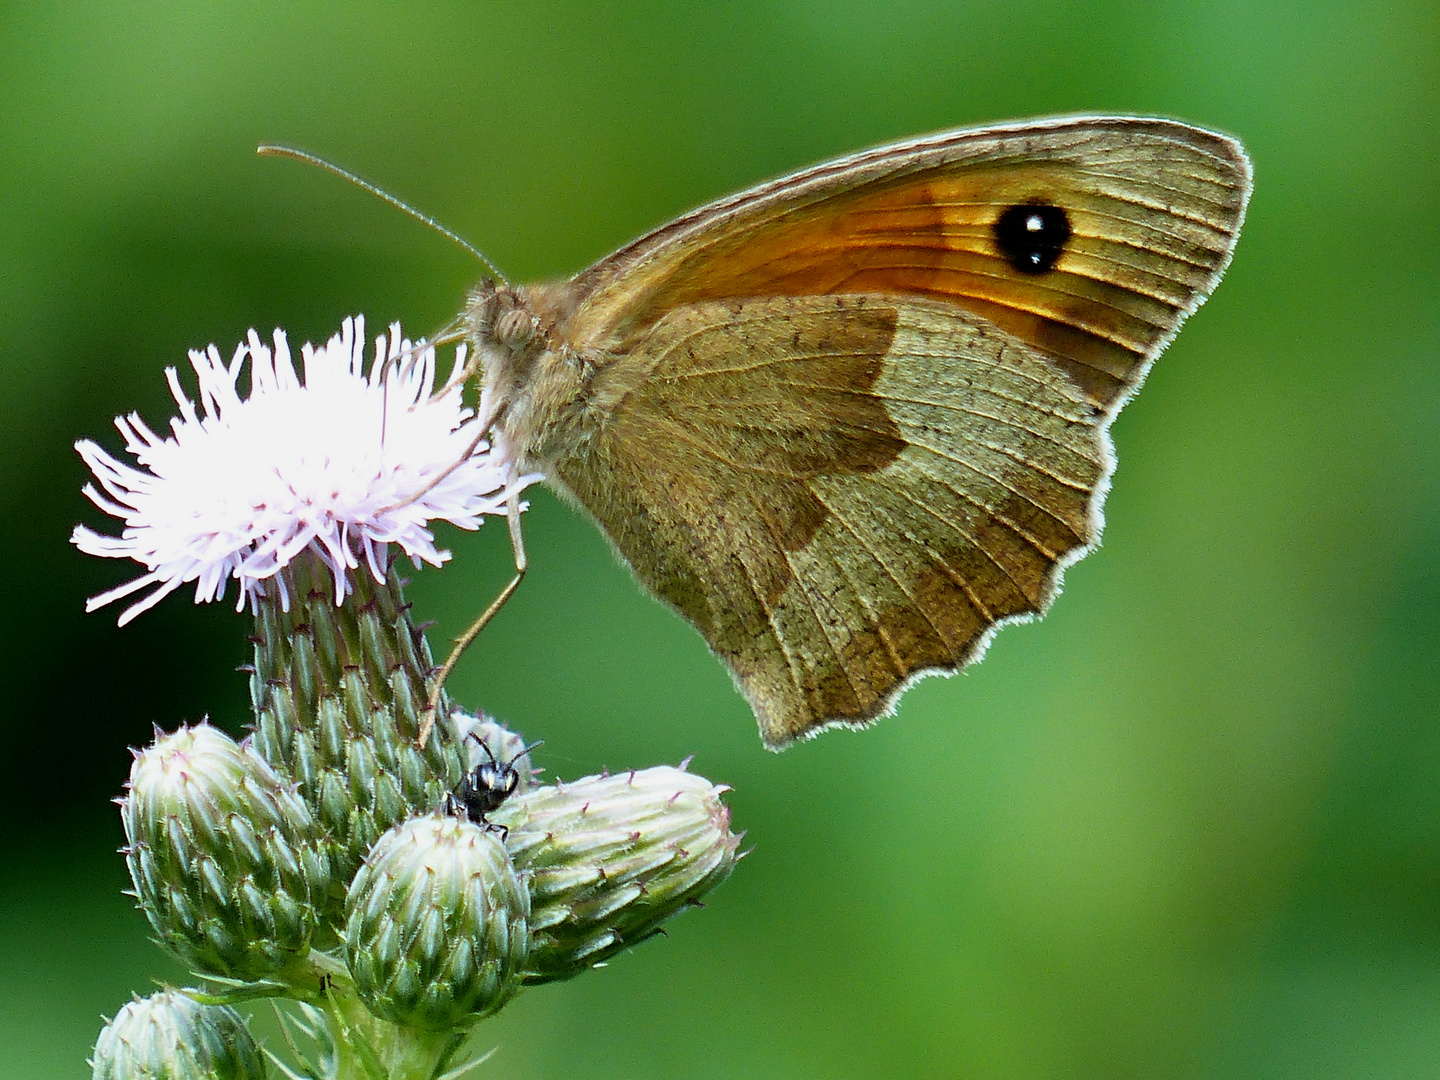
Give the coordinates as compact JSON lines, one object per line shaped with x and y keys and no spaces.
{"x":485,"y":787}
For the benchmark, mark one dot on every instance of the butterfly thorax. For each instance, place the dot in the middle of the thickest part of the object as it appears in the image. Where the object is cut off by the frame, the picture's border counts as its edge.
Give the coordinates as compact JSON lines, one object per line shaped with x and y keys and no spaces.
{"x":534,"y":381}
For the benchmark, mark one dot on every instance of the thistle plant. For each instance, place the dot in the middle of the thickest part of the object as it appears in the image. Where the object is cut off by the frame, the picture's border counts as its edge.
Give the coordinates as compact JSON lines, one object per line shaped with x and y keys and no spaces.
{"x":320,"y":862}
{"x":171,"y":1036}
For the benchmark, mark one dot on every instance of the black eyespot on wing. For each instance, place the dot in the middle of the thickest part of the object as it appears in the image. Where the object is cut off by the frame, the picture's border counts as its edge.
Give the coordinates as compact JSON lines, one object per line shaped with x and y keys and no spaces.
{"x":1031,"y":237}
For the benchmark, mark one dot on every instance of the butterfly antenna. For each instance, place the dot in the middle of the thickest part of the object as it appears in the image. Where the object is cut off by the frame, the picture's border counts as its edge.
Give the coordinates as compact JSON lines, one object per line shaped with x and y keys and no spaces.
{"x":267,"y":150}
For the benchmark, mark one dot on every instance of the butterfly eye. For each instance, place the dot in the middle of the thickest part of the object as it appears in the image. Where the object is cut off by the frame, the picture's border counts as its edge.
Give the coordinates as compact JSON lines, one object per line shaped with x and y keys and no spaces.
{"x":1031,"y":237}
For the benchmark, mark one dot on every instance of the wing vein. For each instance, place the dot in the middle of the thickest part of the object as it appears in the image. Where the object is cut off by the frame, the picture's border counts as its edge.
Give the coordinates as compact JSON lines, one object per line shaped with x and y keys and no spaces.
{"x":890,"y":573}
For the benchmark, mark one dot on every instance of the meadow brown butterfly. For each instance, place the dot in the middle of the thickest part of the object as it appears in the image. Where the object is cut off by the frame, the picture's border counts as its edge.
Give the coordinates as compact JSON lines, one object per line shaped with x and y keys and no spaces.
{"x":851,"y":422}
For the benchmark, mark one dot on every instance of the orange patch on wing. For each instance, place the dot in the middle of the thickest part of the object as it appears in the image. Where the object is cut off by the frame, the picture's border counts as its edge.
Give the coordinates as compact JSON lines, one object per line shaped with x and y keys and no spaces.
{"x":1104,"y":306}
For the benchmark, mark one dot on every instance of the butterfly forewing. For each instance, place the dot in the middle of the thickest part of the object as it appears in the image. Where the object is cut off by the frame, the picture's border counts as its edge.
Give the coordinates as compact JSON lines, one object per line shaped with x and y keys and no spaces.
{"x":850,"y":422}
{"x":1153,"y":206}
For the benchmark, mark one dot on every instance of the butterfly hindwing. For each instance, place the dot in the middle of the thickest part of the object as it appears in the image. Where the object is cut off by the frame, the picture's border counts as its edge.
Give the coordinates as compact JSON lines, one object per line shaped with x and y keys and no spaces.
{"x":843,"y":492}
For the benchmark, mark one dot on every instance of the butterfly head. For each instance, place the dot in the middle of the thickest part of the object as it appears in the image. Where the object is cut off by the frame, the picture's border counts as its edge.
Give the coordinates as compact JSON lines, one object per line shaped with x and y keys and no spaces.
{"x":505,"y":334}
{"x":533,"y":380}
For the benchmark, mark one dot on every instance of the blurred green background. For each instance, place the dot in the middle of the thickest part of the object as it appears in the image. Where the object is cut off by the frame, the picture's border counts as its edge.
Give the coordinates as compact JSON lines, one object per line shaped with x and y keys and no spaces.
{"x":1187,"y":826}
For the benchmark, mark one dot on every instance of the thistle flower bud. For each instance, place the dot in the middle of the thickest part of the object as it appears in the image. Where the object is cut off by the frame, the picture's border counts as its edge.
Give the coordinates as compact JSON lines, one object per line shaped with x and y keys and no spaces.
{"x":609,"y":858}
{"x":339,"y":693}
{"x":225,"y":857}
{"x":436,"y":926}
{"x":170,"y":1036}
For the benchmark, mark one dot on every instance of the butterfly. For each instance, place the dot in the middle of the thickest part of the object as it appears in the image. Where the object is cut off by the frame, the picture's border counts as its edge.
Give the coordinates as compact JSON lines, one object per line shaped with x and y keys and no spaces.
{"x":851,"y":422}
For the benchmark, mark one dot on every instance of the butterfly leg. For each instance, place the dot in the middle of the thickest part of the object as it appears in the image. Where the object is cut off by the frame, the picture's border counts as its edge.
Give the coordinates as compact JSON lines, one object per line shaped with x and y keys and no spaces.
{"x":463,"y":642}
{"x":470,"y":369}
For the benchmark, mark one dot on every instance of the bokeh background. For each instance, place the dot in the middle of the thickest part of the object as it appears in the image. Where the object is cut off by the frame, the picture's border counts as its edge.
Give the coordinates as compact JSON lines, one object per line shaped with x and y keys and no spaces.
{"x":1188,"y":826}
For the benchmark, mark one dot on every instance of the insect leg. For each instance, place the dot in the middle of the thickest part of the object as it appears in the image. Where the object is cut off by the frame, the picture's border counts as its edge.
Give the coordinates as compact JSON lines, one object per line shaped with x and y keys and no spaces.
{"x":485,"y":415}
{"x":463,"y":642}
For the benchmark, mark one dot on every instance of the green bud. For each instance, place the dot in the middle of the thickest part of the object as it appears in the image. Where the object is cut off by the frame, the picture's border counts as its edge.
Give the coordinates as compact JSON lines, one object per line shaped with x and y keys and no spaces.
{"x":436,"y":928}
{"x":609,"y":858}
{"x":170,"y":1036}
{"x":339,"y":696}
{"x":225,"y":857}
